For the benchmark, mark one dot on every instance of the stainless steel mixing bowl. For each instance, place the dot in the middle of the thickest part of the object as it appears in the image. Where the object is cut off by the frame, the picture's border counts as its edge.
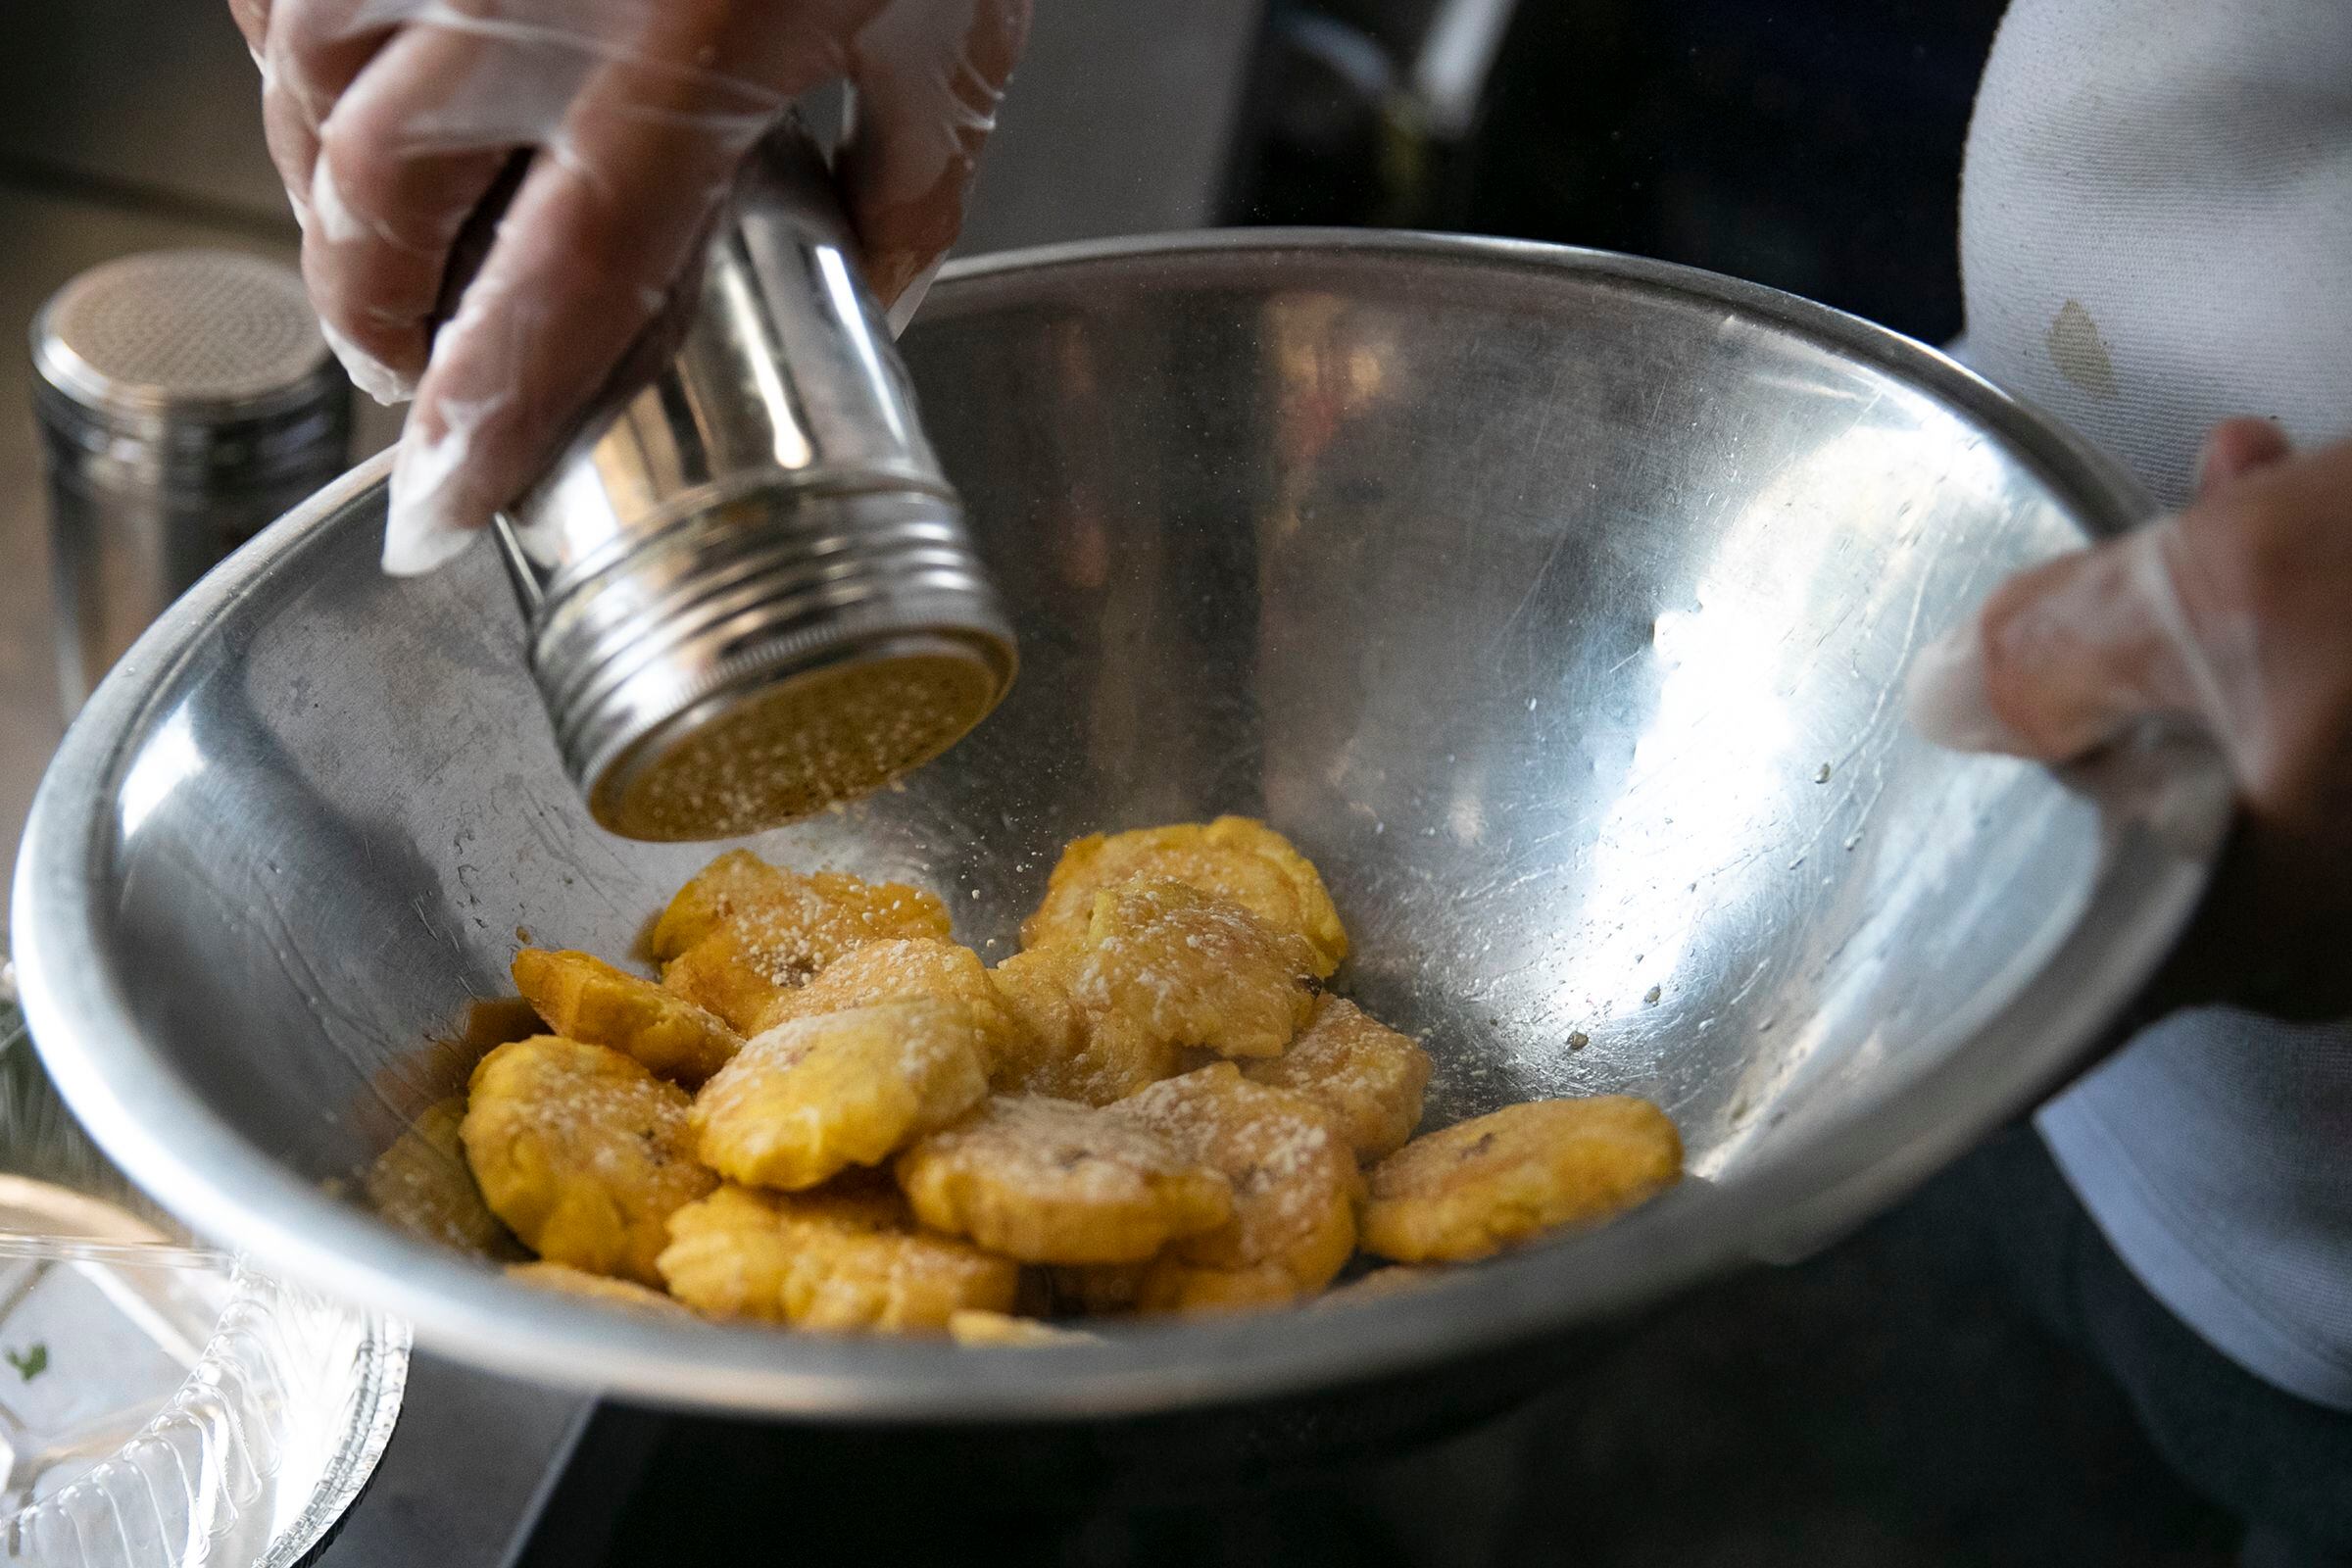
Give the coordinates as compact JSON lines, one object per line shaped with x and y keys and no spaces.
{"x":1556,"y":603}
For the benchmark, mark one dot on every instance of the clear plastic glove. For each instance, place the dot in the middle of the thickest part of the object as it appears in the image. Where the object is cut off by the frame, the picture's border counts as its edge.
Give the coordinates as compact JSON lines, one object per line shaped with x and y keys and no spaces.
{"x":2236,"y":616}
{"x":392,"y":122}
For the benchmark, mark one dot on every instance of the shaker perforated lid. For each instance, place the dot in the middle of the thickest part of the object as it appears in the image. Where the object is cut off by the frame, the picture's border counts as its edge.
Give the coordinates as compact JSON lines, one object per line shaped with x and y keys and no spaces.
{"x":745,"y":673}
{"x":780,"y":747}
{"x":205,"y":335}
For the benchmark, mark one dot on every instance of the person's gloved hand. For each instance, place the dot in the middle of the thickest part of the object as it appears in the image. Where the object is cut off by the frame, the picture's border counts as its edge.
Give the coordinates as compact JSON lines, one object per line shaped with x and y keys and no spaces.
{"x":2234,"y":615}
{"x":392,"y":120}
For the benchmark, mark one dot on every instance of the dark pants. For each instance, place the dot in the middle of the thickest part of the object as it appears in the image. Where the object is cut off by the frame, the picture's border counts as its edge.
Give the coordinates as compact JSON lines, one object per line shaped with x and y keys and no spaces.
{"x":2281,"y":1464}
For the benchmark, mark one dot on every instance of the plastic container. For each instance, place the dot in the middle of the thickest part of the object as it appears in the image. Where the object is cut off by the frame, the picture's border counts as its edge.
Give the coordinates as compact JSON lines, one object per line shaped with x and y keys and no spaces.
{"x":161,"y":1403}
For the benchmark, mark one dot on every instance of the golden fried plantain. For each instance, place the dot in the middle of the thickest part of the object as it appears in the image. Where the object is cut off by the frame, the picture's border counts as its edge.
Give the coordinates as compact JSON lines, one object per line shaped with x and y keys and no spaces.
{"x":1496,"y":1180}
{"x":743,"y":932}
{"x":900,"y":970}
{"x":842,"y":1262}
{"x":424,"y":1185}
{"x":1049,"y":1181}
{"x":1295,"y":1185}
{"x":736,"y":881}
{"x":723,"y":975}
{"x":1063,"y":1048}
{"x":1193,"y":970}
{"x":796,"y":922}
{"x":583,"y":998}
{"x":596,"y":1287}
{"x":976,"y":1327}
{"x":1236,"y":858}
{"x":1359,"y":1069}
{"x":816,"y":1095}
{"x":1160,"y":970}
{"x":581,"y":1151}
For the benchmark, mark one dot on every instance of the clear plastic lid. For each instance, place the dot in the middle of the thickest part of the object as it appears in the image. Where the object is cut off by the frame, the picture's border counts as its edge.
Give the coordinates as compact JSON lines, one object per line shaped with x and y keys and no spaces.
{"x":161,"y":1403}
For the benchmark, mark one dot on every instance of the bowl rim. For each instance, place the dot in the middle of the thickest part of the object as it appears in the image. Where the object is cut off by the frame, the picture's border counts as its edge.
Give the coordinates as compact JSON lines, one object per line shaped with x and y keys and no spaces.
{"x":141,"y":1112}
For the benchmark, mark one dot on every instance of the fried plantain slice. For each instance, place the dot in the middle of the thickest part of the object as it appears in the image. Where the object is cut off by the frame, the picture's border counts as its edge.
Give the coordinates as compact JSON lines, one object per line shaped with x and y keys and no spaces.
{"x":1359,"y":1069}
{"x":1063,"y":1048}
{"x":1499,"y":1179}
{"x":1235,"y":858}
{"x":581,"y":1151}
{"x":424,"y":1185}
{"x":726,"y":976}
{"x":835,"y":1262}
{"x":1162,"y":969}
{"x":736,"y":882}
{"x":570,"y":1281}
{"x":1295,"y":1185}
{"x":904,"y":969}
{"x":816,"y":1095}
{"x":1050,"y":1181}
{"x":583,"y":998}
{"x":744,"y":931}
{"x":799,"y":920}
{"x":1194,"y":970}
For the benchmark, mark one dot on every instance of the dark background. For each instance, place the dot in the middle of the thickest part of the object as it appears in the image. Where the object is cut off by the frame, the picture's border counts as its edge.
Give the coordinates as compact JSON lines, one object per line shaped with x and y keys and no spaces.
{"x":1812,"y":146}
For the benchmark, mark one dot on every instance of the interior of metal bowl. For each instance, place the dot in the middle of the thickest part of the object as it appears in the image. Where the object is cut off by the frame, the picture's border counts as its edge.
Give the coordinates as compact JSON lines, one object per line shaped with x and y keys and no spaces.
{"x":1556,"y":604}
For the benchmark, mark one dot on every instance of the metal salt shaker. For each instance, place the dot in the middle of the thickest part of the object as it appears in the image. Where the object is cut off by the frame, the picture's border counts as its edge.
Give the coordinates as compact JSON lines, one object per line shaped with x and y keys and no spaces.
{"x":750,"y":589}
{"x":186,"y":399}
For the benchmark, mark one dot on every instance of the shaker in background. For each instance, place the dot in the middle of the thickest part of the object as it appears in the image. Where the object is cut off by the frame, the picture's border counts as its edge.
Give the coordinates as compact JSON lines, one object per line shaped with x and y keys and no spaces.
{"x":186,"y":400}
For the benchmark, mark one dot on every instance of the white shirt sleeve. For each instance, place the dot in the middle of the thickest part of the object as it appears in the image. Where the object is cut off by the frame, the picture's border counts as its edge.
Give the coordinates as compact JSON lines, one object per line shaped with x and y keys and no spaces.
{"x":2156,"y":233}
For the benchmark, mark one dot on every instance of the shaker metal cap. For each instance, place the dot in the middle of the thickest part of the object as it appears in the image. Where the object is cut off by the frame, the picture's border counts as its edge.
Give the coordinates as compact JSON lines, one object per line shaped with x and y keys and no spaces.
{"x":211,"y":335}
